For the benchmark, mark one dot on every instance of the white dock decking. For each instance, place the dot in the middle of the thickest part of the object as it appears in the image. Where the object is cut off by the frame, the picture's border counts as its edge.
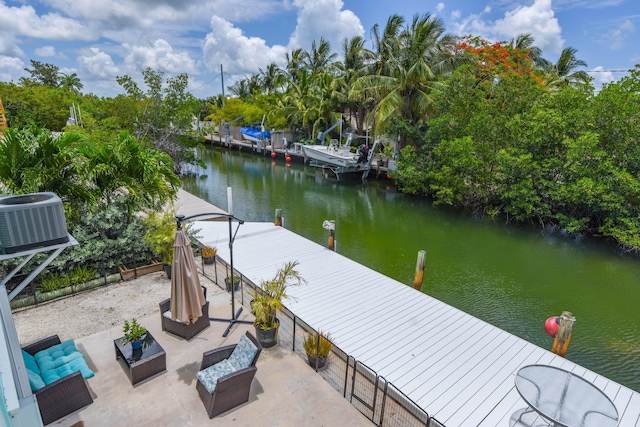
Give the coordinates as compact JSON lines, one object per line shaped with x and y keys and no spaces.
{"x":458,"y":368}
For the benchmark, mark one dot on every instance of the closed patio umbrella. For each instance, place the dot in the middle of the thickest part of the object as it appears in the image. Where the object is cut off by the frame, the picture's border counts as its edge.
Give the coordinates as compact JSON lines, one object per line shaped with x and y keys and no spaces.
{"x":187,"y":297}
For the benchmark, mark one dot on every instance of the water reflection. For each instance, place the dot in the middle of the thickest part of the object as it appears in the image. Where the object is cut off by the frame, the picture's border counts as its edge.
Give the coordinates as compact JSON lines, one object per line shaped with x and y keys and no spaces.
{"x":512,"y":277}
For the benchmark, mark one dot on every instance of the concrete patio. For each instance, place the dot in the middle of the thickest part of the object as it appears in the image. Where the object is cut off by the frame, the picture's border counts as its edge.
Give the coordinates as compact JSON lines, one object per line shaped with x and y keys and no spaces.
{"x":285,"y":391}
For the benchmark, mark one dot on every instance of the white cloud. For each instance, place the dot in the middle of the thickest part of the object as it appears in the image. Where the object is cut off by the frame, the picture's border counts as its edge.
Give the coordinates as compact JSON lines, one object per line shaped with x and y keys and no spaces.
{"x":324,"y":18}
{"x":600,"y":76}
{"x":616,"y":38}
{"x":11,"y":68}
{"x":439,"y":7}
{"x":161,"y":57}
{"x":9,"y":45}
{"x":538,"y":19}
{"x":23,"y":21}
{"x":98,"y":64}
{"x":456,"y":14}
{"x":239,"y":54}
{"x":46,"y":51}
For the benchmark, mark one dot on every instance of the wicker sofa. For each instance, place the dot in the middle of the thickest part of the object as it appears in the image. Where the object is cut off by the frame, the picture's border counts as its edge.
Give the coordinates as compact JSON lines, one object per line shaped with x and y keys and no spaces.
{"x":64,"y":395}
{"x":184,"y":330}
{"x":225,"y":376}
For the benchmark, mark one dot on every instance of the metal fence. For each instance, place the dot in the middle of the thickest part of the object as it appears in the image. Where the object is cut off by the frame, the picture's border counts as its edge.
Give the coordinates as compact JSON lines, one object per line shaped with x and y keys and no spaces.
{"x":111,"y":270}
{"x":371,"y":394}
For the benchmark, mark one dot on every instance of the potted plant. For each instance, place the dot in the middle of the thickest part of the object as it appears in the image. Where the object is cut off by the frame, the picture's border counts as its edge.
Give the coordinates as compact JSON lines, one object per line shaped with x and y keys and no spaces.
{"x":133,"y":333}
{"x":236,"y":282}
{"x":208,"y":254}
{"x":317,"y":346}
{"x":268,"y":300}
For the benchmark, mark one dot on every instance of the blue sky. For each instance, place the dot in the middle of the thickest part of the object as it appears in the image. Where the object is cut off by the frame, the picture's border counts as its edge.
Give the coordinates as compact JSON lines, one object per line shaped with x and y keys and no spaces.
{"x":102,"y":40}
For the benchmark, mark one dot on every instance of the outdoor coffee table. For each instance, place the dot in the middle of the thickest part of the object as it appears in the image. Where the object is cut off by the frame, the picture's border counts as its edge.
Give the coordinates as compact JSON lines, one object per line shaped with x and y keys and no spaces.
{"x":142,"y":363}
{"x":563,"y":398}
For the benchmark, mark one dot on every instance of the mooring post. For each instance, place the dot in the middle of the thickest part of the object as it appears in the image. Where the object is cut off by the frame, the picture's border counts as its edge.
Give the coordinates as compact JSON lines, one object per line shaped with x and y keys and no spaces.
{"x":279,"y":217}
{"x":417,"y":279}
{"x":563,"y":336}
{"x":331,"y":226}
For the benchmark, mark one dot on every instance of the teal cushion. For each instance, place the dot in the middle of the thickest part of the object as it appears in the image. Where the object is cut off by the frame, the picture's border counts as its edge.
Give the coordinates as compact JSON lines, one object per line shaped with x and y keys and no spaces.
{"x":243,"y":354}
{"x":209,"y":377}
{"x":30,"y":362}
{"x":56,"y":355}
{"x":75,"y":365}
{"x":35,"y":381}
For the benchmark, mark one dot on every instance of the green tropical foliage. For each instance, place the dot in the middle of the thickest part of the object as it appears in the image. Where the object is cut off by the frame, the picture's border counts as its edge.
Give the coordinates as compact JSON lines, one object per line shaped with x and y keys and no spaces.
{"x":485,"y":125}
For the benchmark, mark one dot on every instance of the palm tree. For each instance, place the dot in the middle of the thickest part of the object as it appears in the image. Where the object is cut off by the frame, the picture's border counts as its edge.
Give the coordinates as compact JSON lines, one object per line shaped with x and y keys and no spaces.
{"x":411,"y":63}
{"x":563,"y":73}
{"x":295,"y":64}
{"x":319,"y":58}
{"x":526,"y":42}
{"x":272,"y":78}
{"x":354,"y":65}
{"x":71,"y":82}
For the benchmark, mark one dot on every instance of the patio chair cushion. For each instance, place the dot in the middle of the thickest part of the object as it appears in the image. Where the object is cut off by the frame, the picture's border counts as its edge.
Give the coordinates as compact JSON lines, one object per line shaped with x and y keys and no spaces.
{"x":58,"y":354}
{"x":243,"y":354}
{"x":167,"y":314}
{"x":30,"y":362}
{"x":69,"y":368}
{"x":209,"y":377}
{"x":35,"y":380}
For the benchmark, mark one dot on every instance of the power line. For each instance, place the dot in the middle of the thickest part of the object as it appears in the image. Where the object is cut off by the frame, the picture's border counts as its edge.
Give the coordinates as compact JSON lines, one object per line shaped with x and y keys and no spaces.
{"x":608,"y":71}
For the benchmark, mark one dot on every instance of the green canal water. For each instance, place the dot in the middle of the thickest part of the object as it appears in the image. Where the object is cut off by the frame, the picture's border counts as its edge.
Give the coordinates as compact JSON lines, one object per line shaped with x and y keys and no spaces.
{"x":512,"y":277}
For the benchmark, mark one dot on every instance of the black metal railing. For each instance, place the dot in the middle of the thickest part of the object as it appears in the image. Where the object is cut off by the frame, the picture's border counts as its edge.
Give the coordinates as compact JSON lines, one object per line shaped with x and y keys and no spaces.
{"x":107,"y":270}
{"x":371,"y":394}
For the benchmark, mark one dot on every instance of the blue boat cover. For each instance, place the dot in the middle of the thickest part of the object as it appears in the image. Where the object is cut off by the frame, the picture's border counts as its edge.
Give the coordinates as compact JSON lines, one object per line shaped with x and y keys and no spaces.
{"x":255,"y":133}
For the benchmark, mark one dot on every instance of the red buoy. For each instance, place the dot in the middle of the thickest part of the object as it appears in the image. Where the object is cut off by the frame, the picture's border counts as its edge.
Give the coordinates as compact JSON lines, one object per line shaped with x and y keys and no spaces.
{"x":273,"y":154}
{"x":288,"y":159}
{"x":551,"y":326}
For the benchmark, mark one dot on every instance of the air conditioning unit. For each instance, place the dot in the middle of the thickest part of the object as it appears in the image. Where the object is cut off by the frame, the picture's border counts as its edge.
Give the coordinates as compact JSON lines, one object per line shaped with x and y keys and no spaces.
{"x":31,"y":221}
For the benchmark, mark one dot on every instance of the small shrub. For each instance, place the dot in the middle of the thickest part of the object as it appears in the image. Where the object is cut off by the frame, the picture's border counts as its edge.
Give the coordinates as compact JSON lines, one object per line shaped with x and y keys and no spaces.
{"x":314,"y":350}
{"x":52,"y":282}
{"x":83,"y":274}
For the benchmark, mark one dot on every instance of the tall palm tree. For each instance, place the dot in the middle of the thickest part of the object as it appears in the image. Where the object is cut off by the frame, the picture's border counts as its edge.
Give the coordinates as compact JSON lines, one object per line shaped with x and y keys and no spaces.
{"x":526,"y":42}
{"x":71,"y":82}
{"x":319,"y":58}
{"x":295,"y":64}
{"x":354,"y":65}
{"x":564,"y":72}
{"x":272,"y":79}
{"x":415,"y":61}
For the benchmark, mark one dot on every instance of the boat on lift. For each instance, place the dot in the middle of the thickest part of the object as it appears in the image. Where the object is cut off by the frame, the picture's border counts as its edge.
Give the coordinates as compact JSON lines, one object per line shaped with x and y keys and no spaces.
{"x":335,"y":155}
{"x":255,"y":134}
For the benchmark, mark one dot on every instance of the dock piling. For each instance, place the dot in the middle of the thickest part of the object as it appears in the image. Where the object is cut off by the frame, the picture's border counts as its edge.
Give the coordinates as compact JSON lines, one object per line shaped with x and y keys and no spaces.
{"x":278,"y":217}
{"x":417,"y":279}
{"x":563,"y":336}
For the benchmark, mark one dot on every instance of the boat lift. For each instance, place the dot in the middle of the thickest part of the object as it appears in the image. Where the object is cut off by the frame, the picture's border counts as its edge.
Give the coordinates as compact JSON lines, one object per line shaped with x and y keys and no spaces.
{"x":227,"y":130}
{"x":337,"y":170}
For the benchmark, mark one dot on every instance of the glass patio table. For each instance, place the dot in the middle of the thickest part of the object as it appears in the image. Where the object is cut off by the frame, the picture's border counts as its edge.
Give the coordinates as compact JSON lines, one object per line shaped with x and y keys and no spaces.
{"x":563,"y":398}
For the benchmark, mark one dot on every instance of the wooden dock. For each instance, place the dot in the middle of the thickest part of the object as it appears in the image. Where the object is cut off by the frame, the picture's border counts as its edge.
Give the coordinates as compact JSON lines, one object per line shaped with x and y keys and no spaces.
{"x":456,"y":367}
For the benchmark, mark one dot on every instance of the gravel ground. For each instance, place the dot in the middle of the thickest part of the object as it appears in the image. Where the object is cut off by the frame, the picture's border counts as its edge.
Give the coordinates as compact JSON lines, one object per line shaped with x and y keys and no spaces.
{"x":93,"y":311}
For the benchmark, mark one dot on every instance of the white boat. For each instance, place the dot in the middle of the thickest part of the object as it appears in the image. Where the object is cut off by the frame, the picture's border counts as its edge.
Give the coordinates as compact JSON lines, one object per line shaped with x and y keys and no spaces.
{"x":335,"y":155}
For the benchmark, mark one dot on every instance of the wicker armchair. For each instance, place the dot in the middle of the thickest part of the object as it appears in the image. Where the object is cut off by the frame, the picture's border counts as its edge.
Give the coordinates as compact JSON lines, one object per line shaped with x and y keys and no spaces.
{"x":184,"y":330}
{"x":64,"y":396}
{"x":232,"y":389}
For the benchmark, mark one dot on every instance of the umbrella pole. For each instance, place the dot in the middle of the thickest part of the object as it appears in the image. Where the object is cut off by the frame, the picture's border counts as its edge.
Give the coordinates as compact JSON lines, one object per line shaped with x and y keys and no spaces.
{"x":232,"y":236}
{"x":234,"y":315}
